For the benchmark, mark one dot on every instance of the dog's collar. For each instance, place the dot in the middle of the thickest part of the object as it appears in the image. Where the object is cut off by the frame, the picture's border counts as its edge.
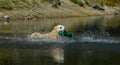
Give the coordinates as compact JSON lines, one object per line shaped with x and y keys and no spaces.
{"x":68,"y":34}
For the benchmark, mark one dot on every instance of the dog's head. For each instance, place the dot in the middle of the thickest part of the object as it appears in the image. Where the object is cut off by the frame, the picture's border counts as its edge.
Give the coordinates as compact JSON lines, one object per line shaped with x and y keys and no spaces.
{"x":60,"y":28}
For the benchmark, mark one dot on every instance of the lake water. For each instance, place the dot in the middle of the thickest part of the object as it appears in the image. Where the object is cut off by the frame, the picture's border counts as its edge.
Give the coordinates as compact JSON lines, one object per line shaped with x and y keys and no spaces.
{"x":96,"y":41}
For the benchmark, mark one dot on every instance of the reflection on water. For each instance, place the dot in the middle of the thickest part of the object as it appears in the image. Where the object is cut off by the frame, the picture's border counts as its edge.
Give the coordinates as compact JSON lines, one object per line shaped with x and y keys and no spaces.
{"x":34,"y":56}
{"x":58,"y":55}
{"x":92,"y":54}
{"x":96,"y":42}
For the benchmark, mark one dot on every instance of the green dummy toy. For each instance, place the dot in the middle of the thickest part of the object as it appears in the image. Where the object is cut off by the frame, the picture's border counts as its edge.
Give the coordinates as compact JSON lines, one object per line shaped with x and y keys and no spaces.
{"x":64,"y":33}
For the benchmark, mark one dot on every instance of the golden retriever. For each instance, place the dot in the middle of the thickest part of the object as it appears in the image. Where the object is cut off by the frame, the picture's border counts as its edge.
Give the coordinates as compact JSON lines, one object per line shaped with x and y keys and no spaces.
{"x":51,"y":35}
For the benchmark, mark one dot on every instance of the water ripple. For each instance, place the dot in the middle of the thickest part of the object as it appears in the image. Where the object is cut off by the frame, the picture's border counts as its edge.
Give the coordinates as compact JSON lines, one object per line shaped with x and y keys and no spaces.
{"x":98,"y":39}
{"x":77,"y":39}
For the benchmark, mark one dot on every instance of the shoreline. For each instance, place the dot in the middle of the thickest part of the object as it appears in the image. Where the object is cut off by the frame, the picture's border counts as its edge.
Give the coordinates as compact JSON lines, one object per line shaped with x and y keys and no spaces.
{"x":35,"y":17}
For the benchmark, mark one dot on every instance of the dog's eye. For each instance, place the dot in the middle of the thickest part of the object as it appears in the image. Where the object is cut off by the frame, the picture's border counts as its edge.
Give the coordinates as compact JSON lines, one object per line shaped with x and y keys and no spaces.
{"x":60,"y":27}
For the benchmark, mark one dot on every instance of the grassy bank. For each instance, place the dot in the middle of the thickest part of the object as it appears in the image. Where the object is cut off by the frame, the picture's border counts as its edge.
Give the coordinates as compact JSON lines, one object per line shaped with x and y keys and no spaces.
{"x":101,"y":2}
{"x":43,"y":8}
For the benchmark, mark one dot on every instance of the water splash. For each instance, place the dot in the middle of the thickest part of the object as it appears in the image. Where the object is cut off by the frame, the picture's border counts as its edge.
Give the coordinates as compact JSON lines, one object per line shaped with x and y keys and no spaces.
{"x":98,"y":39}
{"x":63,"y":40}
{"x":77,"y":39}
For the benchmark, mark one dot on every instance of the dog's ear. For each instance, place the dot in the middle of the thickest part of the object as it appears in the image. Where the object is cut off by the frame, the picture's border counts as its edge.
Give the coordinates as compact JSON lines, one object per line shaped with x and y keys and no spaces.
{"x":55,"y":29}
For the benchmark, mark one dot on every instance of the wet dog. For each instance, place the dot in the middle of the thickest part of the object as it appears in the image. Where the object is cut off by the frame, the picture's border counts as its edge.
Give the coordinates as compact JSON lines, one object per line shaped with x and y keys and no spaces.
{"x":51,"y":35}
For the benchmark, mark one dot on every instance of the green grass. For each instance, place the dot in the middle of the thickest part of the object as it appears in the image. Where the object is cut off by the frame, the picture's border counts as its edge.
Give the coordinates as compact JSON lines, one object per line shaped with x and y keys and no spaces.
{"x":12,"y":4}
{"x":47,"y":1}
{"x":78,"y":2}
{"x":106,"y":2}
{"x":101,"y":2}
{"x":5,"y":5}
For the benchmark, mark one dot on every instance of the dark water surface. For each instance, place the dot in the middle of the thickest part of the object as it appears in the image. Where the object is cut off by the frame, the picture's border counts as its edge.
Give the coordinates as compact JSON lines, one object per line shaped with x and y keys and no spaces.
{"x":96,"y":41}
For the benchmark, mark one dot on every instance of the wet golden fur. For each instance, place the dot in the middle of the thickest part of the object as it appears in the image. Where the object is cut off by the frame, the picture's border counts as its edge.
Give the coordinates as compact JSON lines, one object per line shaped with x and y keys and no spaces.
{"x":51,"y":35}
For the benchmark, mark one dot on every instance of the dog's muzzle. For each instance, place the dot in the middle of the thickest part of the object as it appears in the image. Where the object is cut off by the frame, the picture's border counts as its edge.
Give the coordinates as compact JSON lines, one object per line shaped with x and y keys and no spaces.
{"x":65,"y":33}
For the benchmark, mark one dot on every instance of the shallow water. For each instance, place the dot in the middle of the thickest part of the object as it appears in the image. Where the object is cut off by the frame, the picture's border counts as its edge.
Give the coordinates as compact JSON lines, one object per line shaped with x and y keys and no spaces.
{"x":96,"y":41}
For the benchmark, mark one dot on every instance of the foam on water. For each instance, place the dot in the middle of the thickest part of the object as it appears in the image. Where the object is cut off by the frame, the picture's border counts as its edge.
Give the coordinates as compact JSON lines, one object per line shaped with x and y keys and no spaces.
{"x":98,"y":39}
{"x":77,"y":39}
